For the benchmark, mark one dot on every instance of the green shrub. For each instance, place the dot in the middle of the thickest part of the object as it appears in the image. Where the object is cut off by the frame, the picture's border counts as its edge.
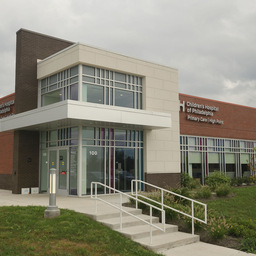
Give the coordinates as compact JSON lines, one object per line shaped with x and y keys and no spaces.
{"x":246,"y":179}
{"x":216,"y":178}
{"x":198,"y":213}
{"x":203,"y":192}
{"x":188,"y":182}
{"x":217,"y":227}
{"x":184,"y":192}
{"x":249,"y":245}
{"x":194,"y":184}
{"x":223,"y":190}
{"x":185,"y":180}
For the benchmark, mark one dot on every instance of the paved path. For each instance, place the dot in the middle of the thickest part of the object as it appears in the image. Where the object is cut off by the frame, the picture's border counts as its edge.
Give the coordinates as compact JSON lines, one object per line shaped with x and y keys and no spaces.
{"x":87,"y":206}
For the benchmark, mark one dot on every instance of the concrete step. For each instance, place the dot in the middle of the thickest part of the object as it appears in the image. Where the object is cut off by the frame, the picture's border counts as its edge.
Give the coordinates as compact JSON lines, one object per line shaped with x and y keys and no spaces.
{"x":164,"y":242}
{"x":114,"y":213}
{"x":128,"y":221}
{"x":136,"y":232}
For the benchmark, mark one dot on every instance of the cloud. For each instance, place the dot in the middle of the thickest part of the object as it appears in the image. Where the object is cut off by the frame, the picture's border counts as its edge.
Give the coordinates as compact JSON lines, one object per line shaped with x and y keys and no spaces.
{"x":212,"y":43}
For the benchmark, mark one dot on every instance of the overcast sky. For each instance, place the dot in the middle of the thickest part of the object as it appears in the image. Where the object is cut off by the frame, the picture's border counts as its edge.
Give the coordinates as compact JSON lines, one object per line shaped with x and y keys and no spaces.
{"x":211,"y":42}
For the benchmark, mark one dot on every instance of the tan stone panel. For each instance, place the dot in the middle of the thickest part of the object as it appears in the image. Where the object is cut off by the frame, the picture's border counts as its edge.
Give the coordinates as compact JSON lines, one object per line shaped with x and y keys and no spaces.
{"x":154,"y":103}
{"x":164,"y":135}
{"x":155,"y":167}
{"x":162,"y":74}
{"x":155,"y":145}
{"x":163,"y":94}
{"x":163,"y":155}
{"x":126,"y":66}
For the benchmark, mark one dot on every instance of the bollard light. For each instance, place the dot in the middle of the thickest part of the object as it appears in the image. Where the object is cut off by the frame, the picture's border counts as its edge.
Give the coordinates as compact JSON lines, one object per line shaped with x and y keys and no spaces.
{"x":52,"y":210}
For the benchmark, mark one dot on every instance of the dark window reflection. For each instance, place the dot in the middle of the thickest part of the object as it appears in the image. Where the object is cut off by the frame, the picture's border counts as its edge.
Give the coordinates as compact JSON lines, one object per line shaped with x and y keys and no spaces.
{"x":124,"y":98}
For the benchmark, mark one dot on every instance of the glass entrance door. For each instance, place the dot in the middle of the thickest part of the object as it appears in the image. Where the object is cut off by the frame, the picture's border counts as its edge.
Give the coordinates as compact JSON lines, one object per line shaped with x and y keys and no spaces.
{"x":58,"y":159}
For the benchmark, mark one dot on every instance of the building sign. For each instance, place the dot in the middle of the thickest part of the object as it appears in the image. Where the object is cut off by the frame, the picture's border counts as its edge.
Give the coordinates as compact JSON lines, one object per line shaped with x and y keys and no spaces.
{"x":5,"y":108}
{"x":206,"y":112}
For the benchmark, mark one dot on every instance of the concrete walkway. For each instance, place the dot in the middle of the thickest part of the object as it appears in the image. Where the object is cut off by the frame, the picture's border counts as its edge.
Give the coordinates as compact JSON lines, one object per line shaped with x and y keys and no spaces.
{"x":87,"y":206}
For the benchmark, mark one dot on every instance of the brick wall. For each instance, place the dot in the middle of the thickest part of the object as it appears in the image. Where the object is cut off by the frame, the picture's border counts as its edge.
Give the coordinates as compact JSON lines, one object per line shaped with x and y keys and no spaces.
{"x":30,"y":47}
{"x":163,"y":180}
{"x":6,"y":146}
{"x":239,"y":121}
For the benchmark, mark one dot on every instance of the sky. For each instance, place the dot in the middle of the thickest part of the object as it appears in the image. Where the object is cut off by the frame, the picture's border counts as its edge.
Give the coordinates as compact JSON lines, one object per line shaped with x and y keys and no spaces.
{"x":212,"y":43}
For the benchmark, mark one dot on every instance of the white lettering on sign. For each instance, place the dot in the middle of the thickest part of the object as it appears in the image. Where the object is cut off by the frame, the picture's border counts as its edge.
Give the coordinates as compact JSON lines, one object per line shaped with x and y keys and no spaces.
{"x":200,"y":109}
{"x":93,"y":153}
{"x":5,"y":108}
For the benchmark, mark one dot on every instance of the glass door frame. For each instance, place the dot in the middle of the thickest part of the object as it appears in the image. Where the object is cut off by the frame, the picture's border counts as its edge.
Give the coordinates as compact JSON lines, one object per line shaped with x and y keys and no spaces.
{"x":61,"y":192}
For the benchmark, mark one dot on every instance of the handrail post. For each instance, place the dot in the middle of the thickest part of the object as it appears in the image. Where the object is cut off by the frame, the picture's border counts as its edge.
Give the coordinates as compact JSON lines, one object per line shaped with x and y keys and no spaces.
{"x":162,"y":196}
{"x":96,"y":210}
{"x":136,"y":188}
{"x":205,"y":217}
{"x":121,"y":226}
{"x":163,"y":220}
{"x":150,"y":224}
{"x":193,"y":218}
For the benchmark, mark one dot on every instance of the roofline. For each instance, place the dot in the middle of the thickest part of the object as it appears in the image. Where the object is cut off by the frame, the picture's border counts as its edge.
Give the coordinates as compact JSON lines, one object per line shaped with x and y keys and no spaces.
{"x":201,"y":98}
{"x":9,"y":95}
{"x":33,"y":32}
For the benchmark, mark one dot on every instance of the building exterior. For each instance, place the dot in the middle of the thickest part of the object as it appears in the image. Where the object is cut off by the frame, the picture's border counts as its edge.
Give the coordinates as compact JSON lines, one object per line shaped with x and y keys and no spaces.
{"x":92,"y":114}
{"x":216,"y":135}
{"x":96,"y":115}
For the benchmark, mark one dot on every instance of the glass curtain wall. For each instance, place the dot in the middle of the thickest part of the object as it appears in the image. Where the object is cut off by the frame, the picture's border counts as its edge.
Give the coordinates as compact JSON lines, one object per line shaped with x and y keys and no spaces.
{"x":112,"y":157}
{"x":58,"y":139}
{"x":200,"y":156}
{"x":100,"y":86}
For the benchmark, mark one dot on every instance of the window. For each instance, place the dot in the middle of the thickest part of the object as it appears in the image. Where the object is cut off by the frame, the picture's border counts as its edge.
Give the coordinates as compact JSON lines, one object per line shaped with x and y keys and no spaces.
{"x":111,"y":88}
{"x":59,"y":87}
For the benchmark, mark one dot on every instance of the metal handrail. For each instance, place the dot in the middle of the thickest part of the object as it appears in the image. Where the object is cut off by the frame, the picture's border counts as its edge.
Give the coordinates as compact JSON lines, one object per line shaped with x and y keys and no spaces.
{"x":122,"y":210}
{"x":166,"y":206}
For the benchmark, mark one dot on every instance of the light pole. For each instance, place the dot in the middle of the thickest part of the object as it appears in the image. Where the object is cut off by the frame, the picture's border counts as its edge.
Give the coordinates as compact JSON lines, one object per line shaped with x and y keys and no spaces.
{"x":52,"y":210}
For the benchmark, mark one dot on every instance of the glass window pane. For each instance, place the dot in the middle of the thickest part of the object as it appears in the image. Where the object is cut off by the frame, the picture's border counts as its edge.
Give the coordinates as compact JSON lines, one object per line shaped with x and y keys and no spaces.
{"x":120,"y":134}
{"x":52,"y":97}
{"x":53,"y":87}
{"x":88,"y":132}
{"x":74,"y":79}
{"x":119,"y":85}
{"x":88,"y":70}
{"x":53,"y":79}
{"x":107,"y":96}
{"x":120,"y":77}
{"x":73,"y":153}
{"x":93,"y":93}
{"x":74,"y":71}
{"x":124,"y":98}
{"x":43,"y":83}
{"x":74,"y":92}
{"x":74,"y":132}
{"x":53,"y":135}
{"x":88,"y":79}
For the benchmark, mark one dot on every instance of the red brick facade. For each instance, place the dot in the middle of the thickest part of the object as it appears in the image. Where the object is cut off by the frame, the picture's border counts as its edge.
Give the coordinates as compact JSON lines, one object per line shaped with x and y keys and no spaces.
{"x":239,"y":122}
{"x":6,"y":143}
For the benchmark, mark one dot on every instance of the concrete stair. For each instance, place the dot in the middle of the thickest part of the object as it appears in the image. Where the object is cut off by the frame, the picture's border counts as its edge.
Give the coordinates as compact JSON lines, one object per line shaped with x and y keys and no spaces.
{"x":139,"y":231}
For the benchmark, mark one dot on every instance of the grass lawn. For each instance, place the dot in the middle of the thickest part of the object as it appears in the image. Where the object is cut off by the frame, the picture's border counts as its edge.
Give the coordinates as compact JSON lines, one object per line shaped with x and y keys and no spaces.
{"x":240,"y":207}
{"x":239,"y":210}
{"x":24,"y":231}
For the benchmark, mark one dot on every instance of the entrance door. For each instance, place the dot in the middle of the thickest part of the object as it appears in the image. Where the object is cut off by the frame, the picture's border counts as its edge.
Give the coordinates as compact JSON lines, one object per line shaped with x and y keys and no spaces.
{"x":58,"y":159}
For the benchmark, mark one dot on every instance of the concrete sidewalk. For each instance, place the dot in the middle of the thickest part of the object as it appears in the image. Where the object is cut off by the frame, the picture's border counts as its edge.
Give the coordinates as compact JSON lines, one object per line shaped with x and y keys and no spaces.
{"x":87,"y":206}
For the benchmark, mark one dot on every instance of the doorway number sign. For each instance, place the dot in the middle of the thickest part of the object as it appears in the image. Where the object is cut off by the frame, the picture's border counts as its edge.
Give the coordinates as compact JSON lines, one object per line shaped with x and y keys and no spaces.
{"x":93,"y":153}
